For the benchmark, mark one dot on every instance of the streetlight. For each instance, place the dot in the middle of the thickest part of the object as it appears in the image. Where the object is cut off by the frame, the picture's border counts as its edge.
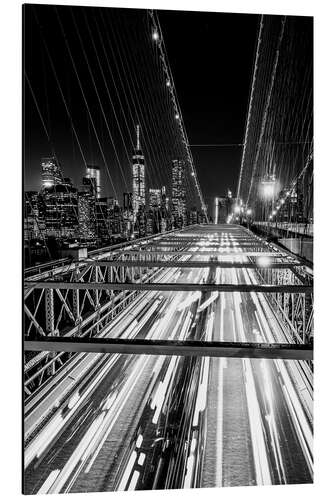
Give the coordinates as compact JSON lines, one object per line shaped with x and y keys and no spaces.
{"x":263,"y":261}
{"x":268,"y":189}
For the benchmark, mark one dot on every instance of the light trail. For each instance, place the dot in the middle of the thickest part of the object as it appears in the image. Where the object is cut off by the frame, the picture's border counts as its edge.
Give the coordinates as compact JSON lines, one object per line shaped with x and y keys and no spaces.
{"x":159,"y":413}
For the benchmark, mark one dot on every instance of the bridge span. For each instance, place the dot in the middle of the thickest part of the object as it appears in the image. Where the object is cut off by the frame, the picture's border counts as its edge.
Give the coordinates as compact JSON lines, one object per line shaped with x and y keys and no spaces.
{"x":179,"y":360}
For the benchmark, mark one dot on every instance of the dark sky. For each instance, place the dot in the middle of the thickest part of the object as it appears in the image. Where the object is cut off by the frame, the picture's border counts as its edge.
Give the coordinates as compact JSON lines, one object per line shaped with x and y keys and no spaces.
{"x":214,"y":97}
{"x":211,"y":57}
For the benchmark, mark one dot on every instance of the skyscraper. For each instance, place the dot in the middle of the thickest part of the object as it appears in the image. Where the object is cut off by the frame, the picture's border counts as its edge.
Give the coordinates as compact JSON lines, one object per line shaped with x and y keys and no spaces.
{"x":32,"y":215}
{"x":178,"y":193}
{"x":61,"y":211}
{"x":51,"y":172}
{"x":87,"y":215}
{"x":89,"y":186}
{"x":138,"y":175}
{"x":128,"y":215}
{"x":155,"y":198}
{"x":93,"y":172}
{"x":128,"y":202}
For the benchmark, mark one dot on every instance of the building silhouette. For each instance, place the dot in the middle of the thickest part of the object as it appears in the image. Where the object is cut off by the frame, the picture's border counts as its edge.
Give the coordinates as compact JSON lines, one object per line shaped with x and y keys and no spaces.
{"x":178,"y":199}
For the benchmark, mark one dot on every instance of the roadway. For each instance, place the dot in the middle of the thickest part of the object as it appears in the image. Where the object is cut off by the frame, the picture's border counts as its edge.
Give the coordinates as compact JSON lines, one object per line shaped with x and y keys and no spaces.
{"x":117,"y":422}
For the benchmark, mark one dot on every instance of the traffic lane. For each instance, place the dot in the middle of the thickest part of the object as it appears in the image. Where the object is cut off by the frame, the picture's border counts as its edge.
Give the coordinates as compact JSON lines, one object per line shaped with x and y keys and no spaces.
{"x":133,"y":467}
{"x":70,"y":431}
{"x":262,"y":325}
{"x":288,"y":446}
{"x":71,"y":376}
{"x":50,"y":397}
{"x":135,"y":471}
{"x":265,"y":326}
{"x":228,"y":458}
{"x":228,"y":333}
{"x":56,"y":423}
{"x":139,"y":475}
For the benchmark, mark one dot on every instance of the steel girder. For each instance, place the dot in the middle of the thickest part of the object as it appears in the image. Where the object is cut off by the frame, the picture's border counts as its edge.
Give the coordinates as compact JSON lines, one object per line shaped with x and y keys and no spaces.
{"x":175,"y":287}
{"x":174,"y":348}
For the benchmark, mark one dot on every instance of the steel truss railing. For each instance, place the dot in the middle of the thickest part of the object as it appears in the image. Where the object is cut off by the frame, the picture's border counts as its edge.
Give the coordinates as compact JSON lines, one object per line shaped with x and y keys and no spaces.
{"x":77,"y":313}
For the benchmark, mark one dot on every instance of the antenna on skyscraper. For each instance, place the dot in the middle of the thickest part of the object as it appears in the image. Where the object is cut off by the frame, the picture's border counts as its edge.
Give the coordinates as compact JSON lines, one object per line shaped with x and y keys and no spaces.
{"x":138,"y":137}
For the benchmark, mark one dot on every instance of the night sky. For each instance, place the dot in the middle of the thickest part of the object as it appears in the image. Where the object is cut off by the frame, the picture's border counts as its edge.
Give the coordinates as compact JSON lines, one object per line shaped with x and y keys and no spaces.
{"x":211,"y":56}
{"x":214,"y":97}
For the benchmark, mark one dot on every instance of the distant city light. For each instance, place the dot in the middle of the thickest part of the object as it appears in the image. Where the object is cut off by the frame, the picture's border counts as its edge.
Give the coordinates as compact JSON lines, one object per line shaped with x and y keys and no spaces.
{"x":168,"y":83}
{"x":248,"y":211}
{"x":274,"y":212}
{"x":177,"y":116}
{"x":155,"y":35}
{"x":237,"y":209}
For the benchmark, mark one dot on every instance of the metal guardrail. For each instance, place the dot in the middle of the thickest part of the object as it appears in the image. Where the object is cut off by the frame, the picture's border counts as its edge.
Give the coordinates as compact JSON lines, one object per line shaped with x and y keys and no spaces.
{"x":47,"y":266}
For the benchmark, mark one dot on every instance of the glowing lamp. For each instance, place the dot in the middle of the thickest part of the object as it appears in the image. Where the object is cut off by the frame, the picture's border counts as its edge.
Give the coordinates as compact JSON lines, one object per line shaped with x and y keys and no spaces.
{"x":268,"y":190}
{"x":264,"y":261}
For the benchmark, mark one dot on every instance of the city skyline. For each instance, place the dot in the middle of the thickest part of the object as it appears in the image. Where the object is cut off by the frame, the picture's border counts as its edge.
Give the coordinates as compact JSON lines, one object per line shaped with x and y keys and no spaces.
{"x":52,"y":60}
{"x":61,"y":215}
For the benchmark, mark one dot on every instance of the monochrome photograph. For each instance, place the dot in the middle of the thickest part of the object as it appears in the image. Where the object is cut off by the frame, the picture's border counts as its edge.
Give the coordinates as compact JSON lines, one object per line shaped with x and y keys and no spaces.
{"x":167,"y":245}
